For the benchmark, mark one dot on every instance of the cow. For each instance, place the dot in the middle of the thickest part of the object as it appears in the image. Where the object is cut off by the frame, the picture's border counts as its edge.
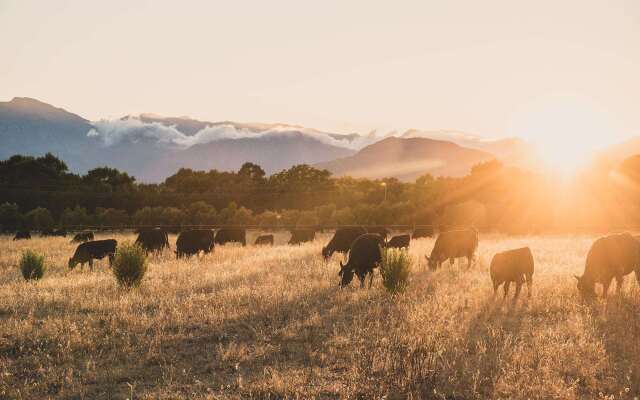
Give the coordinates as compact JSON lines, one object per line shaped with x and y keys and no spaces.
{"x":512,"y":266}
{"x":22,"y":235}
{"x":302,"y":235}
{"x":398,"y":242}
{"x":342,"y":240}
{"x":53,"y":232}
{"x":452,"y":245}
{"x":82,"y":237}
{"x":192,"y":242}
{"x":153,"y":240}
{"x":365,"y":255}
{"x":230,"y":235}
{"x":612,"y":256}
{"x":95,"y":249}
{"x":264,"y":240}
{"x":380,"y":230}
{"x":422,"y":232}
{"x":46,"y":232}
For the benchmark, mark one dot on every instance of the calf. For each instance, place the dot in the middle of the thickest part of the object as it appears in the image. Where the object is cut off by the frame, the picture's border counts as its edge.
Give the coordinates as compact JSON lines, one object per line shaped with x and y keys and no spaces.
{"x":453,"y":244}
{"x":399,"y":241}
{"x":82,"y":237}
{"x":230,"y":235}
{"x":96,"y":249}
{"x":365,"y":255}
{"x":153,"y":240}
{"x":194,"y":241}
{"x":342,"y":240}
{"x":302,"y":235}
{"x":22,"y":235}
{"x":512,"y":266}
{"x":610,"y":257}
{"x":264,"y":240}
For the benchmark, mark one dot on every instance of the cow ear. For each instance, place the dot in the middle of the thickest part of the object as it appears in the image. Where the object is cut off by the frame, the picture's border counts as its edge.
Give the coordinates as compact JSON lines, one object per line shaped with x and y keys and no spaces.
{"x":577,"y":278}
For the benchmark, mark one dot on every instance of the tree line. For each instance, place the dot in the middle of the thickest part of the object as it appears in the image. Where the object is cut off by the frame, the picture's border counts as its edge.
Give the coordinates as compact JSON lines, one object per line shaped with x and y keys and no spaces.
{"x":41,"y":192}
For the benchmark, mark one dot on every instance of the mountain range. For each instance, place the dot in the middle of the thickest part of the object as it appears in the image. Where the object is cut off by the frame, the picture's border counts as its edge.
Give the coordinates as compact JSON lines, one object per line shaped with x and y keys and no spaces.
{"x":152,"y":147}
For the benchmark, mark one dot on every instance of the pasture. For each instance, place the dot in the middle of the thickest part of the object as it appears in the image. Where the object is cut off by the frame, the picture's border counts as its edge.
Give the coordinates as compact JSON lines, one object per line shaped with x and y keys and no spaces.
{"x":271,"y":322}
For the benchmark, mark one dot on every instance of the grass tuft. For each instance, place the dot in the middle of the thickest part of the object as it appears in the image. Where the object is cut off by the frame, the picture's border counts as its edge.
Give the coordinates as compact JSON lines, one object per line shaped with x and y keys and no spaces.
{"x":395,"y":269}
{"x":32,"y":265}
{"x":130,"y":264}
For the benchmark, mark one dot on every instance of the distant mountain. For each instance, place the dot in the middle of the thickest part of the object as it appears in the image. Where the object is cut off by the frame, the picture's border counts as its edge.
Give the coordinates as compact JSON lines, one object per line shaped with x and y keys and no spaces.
{"x":619,"y":152}
{"x":511,"y":151}
{"x":407,"y":159}
{"x":151,"y":147}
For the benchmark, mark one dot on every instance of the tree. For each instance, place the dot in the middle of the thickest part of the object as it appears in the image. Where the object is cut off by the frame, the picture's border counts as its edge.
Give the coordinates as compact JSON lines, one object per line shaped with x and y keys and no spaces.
{"x":39,"y":218}
{"x":76,"y":216}
{"x":109,"y":179}
{"x":10,"y":217}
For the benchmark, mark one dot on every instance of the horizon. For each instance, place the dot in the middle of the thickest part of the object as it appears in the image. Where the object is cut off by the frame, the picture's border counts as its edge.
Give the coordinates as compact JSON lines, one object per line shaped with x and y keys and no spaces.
{"x":538,"y":72}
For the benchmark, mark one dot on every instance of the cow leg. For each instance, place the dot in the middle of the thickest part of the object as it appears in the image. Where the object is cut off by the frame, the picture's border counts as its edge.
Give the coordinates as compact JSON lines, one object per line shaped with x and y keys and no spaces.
{"x":518,"y":289}
{"x":91,"y":264}
{"x":619,"y":282}
{"x":370,"y":279}
{"x":605,"y":288}
{"x":495,"y":289}
{"x":111,"y":257}
{"x":529,"y":284}
{"x":506,"y":289}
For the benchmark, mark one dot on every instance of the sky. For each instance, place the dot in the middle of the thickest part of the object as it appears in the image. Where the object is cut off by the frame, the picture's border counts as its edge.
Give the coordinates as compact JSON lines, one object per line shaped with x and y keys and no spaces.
{"x":547,"y":71}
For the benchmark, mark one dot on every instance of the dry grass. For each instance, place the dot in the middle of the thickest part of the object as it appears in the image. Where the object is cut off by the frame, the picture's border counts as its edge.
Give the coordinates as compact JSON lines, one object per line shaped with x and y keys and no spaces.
{"x":272,"y":323}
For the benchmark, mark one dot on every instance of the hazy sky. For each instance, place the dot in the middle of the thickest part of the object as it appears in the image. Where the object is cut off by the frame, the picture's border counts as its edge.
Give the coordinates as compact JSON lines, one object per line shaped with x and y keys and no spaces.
{"x":540,"y":69}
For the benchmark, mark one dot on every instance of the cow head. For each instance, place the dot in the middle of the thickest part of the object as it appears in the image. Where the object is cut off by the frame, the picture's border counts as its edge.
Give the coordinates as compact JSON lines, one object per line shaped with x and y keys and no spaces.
{"x":585,"y":287}
{"x":346,"y":274}
{"x":432,"y":262}
{"x":326,"y":253}
{"x":72,"y":263}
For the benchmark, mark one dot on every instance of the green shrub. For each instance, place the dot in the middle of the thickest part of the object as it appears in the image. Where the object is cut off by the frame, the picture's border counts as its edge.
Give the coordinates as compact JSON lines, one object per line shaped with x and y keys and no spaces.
{"x":129,"y":264}
{"x":395,"y":269}
{"x":32,"y":265}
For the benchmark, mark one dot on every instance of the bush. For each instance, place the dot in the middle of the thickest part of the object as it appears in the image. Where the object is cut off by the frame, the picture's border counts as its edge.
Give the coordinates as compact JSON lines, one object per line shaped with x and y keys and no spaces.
{"x":395,"y":269}
{"x":129,"y":264}
{"x":32,"y":265}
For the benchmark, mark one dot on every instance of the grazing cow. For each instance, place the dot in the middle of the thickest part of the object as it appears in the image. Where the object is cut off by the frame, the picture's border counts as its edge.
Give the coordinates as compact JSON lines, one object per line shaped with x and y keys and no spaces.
{"x":302,"y":235}
{"x":96,"y":249}
{"x":453,"y":244}
{"x":60,"y":232}
{"x":82,"y":237}
{"x":423,"y":232}
{"x":342,"y":240}
{"x":380,"y":230}
{"x":612,"y":256}
{"x":194,"y":241}
{"x":153,"y":240}
{"x":264,"y":240}
{"x":22,"y":235}
{"x":399,"y":242}
{"x":230,"y":235}
{"x":46,"y":232}
{"x":365,"y":255}
{"x":512,"y":266}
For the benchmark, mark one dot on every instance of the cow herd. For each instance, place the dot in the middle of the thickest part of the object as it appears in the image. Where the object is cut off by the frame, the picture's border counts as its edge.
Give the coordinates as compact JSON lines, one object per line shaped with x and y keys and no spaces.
{"x":610,"y":257}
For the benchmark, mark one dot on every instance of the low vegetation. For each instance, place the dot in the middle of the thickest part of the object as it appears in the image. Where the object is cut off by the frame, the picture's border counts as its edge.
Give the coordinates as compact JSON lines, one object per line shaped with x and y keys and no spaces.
{"x":395,"y":269}
{"x":129,"y":264}
{"x":271,"y":322}
{"x":32,"y":265}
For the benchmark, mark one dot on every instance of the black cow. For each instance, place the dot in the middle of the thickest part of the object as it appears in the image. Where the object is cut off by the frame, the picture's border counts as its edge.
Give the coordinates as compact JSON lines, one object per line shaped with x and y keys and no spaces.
{"x":264,"y":240}
{"x":399,"y":241}
{"x":302,"y":235}
{"x":422,"y":232}
{"x":194,"y":241}
{"x":365,"y":255}
{"x":380,"y":230}
{"x":46,"y":232}
{"x":452,"y":245}
{"x":153,"y":240}
{"x":231,"y":235}
{"x":512,"y":266}
{"x":82,"y":237}
{"x":342,"y":240}
{"x":96,"y":249}
{"x":22,"y":235}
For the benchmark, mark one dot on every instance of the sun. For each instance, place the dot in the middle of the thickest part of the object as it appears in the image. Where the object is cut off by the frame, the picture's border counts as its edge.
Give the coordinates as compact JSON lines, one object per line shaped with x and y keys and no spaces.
{"x":567,"y":132}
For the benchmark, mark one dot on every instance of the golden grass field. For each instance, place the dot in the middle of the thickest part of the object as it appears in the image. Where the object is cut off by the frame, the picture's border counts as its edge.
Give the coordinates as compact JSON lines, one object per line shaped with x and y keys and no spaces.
{"x":273,"y":323}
